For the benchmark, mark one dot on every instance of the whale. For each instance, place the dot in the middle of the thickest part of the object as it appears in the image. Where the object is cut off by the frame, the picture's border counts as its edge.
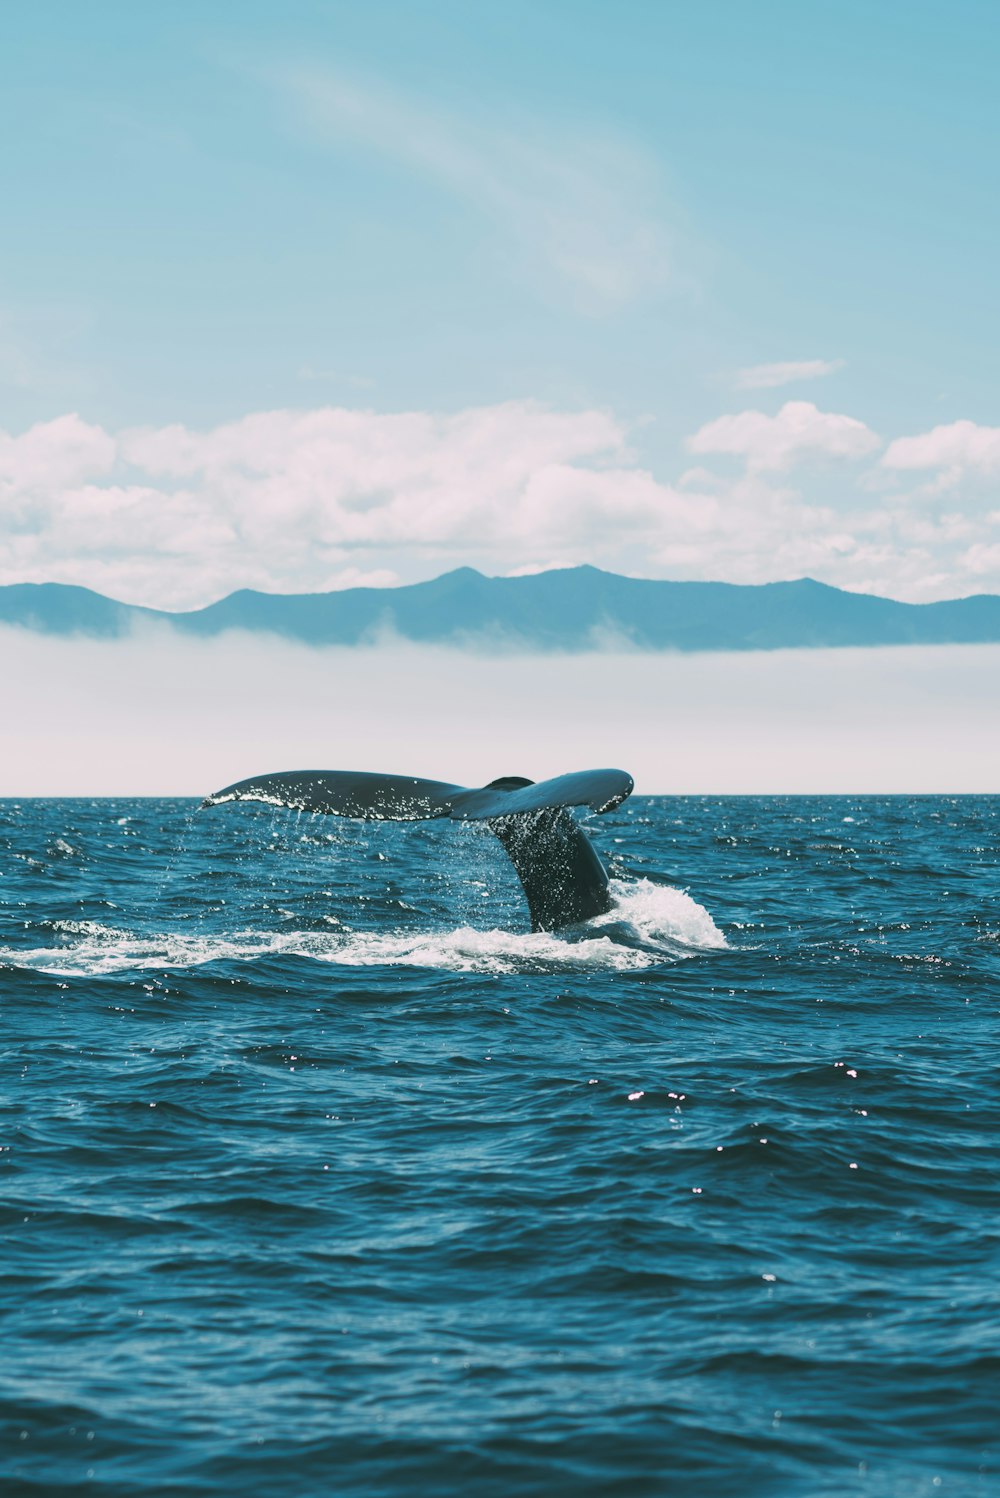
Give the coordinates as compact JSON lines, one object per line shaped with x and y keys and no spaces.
{"x":563,"y":879}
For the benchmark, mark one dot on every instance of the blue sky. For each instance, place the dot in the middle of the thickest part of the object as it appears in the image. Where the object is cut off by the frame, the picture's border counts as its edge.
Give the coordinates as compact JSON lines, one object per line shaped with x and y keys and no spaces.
{"x":296,"y":295}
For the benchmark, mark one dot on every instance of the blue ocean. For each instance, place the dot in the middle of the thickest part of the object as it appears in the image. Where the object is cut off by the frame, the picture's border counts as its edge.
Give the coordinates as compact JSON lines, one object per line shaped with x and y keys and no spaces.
{"x":322,"y":1175}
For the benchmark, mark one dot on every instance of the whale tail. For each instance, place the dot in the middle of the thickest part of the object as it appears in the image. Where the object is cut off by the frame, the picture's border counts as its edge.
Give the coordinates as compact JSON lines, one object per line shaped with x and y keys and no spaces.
{"x":563,"y":879}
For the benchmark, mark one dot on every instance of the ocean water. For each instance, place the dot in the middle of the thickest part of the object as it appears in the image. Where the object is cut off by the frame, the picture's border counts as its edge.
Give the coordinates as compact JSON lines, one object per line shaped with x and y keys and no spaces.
{"x":319,"y":1175}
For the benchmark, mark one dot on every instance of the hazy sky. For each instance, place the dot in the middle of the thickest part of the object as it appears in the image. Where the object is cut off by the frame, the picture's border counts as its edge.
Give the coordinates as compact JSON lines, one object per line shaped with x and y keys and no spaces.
{"x":294,"y":295}
{"x":171,"y":715}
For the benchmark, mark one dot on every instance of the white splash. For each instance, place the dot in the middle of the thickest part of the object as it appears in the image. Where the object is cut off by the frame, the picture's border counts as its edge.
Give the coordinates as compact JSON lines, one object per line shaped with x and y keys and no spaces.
{"x":661,"y":913}
{"x":665,"y":924}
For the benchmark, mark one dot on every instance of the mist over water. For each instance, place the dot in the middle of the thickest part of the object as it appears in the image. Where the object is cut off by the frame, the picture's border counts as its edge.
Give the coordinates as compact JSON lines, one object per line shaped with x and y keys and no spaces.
{"x":322,"y":1174}
{"x":161,"y":714}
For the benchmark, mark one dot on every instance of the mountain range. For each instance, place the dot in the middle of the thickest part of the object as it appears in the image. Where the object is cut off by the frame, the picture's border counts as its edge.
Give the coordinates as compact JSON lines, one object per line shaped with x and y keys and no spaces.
{"x":572,"y":609}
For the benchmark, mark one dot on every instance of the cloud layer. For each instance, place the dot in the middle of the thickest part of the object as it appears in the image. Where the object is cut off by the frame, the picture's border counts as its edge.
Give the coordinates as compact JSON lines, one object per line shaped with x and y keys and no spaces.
{"x":311,"y":500}
{"x":163,"y":715}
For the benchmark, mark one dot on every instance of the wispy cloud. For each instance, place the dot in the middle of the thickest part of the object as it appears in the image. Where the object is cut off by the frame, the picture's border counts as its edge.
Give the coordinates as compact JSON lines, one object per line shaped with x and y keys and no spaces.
{"x":37,"y":349}
{"x":579,"y":206}
{"x":770,"y":376}
{"x":310,"y":374}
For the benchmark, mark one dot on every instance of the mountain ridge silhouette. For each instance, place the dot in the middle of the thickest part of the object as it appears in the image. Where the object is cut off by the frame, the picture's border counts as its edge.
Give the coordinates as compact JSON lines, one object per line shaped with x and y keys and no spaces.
{"x":569,"y":609}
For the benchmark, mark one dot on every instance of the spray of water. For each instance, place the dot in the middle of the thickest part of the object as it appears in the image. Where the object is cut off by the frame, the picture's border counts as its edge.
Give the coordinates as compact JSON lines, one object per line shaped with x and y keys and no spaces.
{"x":648,"y":924}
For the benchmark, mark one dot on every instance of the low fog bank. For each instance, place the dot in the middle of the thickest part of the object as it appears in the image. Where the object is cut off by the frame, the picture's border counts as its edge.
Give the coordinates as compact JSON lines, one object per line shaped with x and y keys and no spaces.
{"x":165,"y":715}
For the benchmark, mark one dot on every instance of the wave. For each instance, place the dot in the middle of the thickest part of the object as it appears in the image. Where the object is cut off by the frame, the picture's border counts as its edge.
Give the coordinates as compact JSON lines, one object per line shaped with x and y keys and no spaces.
{"x":648,"y":924}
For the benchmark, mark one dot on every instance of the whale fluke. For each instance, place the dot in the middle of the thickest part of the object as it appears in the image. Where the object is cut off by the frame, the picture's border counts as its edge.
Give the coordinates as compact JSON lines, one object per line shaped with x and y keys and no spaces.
{"x":345,"y":793}
{"x":563,"y":879}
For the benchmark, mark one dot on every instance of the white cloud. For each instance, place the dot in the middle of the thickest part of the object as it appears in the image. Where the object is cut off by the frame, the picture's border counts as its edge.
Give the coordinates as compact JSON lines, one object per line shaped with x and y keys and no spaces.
{"x":532,"y":569}
{"x":982,"y":560}
{"x":292,"y":501}
{"x":61,"y":452}
{"x":770,"y":376}
{"x":959,"y":446}
{"x":310,"y":500}
{"x":776,"y":442}
{"x":581,"y":206}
